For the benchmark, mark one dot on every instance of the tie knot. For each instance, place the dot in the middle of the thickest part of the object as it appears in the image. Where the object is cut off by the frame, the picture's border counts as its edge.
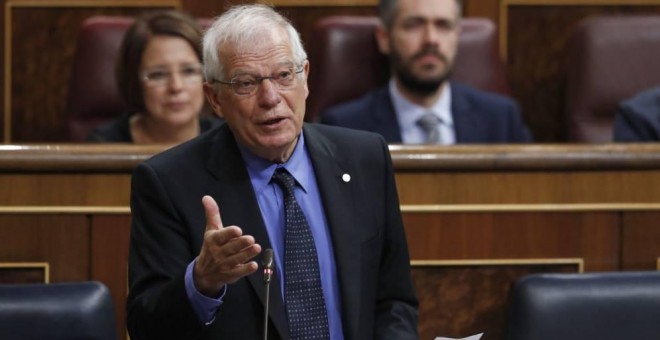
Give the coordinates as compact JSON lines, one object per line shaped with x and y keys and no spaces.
{"x":284,"y":179}
{"x":429,"y":122}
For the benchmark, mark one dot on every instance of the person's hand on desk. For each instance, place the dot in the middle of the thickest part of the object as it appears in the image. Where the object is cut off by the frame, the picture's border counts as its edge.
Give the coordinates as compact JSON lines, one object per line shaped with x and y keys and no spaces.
{"x":225,"y":255}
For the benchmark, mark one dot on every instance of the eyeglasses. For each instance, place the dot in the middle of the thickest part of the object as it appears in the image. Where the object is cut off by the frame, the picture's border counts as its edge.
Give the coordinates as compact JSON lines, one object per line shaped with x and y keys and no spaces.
{"x":159,"y":77}
{"x":246,"y":84}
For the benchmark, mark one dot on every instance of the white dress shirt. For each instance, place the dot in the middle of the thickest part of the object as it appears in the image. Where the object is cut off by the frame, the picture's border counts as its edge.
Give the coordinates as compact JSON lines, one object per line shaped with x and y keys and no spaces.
{"x":407,"y":114}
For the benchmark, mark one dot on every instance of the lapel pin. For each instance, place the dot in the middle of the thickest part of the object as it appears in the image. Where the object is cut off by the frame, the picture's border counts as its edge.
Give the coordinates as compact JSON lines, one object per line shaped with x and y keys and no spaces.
{"x":346,"y":178}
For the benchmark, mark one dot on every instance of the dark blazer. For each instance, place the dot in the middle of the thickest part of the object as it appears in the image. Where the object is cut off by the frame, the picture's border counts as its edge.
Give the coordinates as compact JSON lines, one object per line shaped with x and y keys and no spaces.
{"x":479,"y":117}
{"x":119,"y":131}
{"x":638,"y":119}
{"x":377,"y":297}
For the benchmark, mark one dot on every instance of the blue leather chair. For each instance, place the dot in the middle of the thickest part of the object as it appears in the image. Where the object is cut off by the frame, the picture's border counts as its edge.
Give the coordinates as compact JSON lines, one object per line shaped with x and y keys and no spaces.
{"x":603,"y":306}
{"x":59,"y":311}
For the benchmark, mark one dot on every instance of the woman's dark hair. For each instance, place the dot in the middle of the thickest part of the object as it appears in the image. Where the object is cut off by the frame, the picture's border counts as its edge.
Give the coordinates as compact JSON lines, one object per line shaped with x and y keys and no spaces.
{"x":160,"y":23}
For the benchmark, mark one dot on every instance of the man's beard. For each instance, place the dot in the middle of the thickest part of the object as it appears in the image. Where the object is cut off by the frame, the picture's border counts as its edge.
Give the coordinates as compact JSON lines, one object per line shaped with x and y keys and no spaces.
{"x":422,"y":87}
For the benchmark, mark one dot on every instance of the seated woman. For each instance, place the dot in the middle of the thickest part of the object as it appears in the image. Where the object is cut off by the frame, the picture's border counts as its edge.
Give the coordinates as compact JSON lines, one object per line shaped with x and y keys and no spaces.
{"x":159,"y":74}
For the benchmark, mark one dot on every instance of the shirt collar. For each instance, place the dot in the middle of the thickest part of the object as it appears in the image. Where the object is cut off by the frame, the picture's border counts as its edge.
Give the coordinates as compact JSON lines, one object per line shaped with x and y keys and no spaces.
{"x":408,"y":113}
{"x":261,"y":170}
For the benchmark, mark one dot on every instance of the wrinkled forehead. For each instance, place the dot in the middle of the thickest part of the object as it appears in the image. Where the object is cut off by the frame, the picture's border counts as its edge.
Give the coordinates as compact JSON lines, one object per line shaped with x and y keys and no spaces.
{"x":431,"y":9}
{"x":259,"y":36}
{"x":259,"y":48}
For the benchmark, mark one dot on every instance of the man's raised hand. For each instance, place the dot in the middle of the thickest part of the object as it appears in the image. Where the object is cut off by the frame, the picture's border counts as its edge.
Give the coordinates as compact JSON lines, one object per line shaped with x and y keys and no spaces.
{"x":226,"y":253}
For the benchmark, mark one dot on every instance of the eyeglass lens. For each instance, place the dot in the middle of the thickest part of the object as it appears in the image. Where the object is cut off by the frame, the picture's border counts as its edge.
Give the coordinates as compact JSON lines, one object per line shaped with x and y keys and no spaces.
{"x":160,"y":77}
{"x":248,"y":83}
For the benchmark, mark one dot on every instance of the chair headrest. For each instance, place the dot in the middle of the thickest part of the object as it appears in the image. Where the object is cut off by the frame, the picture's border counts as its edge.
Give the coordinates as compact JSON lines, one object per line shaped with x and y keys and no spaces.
{"x":80,"y":310}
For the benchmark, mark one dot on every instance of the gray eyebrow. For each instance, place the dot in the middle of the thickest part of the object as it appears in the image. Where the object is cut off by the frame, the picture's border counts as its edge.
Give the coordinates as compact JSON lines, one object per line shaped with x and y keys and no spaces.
{"x":240,"y":72}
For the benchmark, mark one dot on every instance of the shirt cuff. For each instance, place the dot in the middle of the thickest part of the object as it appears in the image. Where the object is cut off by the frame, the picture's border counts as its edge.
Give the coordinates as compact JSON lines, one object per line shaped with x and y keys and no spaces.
{"x":204,"y":306}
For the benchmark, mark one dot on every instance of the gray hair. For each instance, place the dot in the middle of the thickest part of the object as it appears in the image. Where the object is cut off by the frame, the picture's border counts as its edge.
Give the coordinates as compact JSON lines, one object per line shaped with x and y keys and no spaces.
{"x":387,"y":11}
{"x":244,"y":25}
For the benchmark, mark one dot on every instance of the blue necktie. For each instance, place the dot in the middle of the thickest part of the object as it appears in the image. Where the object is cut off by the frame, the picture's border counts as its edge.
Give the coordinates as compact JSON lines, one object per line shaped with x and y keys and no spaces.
{"x":303,"y":293}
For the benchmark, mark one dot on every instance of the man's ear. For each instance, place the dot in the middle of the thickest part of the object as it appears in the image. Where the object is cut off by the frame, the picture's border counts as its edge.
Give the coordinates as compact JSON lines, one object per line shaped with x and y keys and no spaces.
{"x":212,"y":98}
{"x":306,"y":70}
{"x":383,"y":39}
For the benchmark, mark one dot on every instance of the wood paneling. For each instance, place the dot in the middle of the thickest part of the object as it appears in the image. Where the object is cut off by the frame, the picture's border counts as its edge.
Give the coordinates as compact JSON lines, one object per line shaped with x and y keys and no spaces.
{"x":528,"y":187}
{"x":641,"y":240}
{"x":24,"y":272}
{"x":64,"y":189}
{"x":60,"y":240}
{"x":109,"y":257}
{"x":529,"y":175}
{"x":482,"y":8}
{"x":591,"y":236}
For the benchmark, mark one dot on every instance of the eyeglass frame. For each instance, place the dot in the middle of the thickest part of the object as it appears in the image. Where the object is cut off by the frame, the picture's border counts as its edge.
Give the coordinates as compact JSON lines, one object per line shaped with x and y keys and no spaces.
{"x":258,"y":79}
{"x":169,"y":74}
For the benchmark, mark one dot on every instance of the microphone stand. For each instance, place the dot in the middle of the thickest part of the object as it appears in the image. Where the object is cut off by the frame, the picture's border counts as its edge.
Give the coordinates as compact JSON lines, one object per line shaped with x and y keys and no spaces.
{"x":268,"y":274}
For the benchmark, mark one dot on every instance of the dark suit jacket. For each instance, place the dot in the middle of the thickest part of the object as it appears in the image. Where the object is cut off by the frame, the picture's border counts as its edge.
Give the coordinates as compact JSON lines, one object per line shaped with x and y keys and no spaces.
{"x":638,"y":119}
{"x":479,"y":117}
{"x":377,"y":298}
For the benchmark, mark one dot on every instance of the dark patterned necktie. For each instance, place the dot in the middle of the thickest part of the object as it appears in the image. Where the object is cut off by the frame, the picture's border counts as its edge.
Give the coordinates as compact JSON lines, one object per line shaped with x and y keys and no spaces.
{"x":430,"y":123}
{"x":303,"y":293}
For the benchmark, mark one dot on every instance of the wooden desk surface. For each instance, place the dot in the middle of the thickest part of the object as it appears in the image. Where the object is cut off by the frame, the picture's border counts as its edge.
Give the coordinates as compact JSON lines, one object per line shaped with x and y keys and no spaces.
{"x":456,"y":175}
{"x":406,"y":158}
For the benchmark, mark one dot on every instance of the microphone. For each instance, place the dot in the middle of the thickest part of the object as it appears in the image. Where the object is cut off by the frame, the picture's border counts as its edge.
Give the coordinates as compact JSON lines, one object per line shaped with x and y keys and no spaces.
{"x":268,"y":265}
{"x":269,"y":268}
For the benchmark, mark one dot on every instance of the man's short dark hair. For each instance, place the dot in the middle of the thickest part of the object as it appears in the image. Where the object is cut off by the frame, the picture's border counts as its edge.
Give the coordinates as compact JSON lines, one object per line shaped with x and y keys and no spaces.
{"x":386,"y":10}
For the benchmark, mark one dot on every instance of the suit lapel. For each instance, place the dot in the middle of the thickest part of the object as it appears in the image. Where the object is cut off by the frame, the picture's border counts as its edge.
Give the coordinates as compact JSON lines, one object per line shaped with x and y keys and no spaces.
{"x":340,"y":210}
{"x":384,"y":117}
{"x":467,"y":126}
{"x":238,"y":206}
